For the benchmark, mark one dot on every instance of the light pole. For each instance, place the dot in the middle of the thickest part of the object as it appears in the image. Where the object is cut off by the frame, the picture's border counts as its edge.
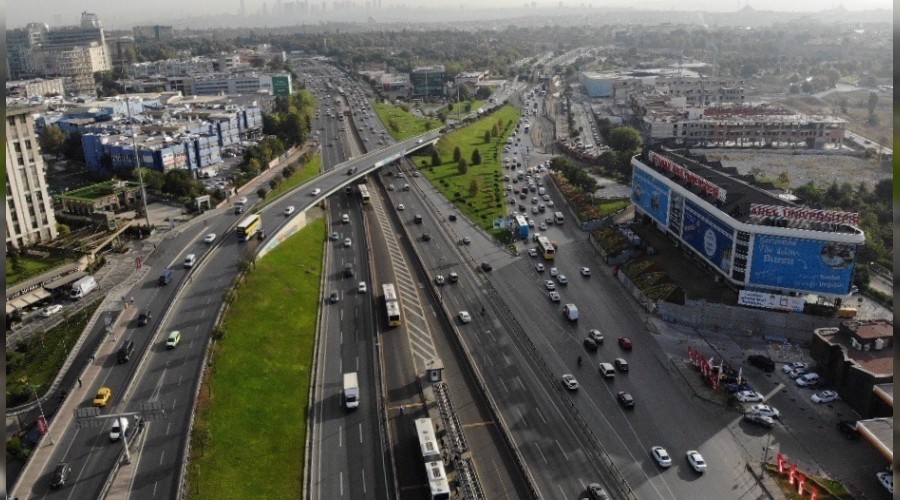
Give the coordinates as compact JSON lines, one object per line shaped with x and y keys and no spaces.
{"x":40,"y":407}
{"x":137,"y":160}
{"x":762,"y":471}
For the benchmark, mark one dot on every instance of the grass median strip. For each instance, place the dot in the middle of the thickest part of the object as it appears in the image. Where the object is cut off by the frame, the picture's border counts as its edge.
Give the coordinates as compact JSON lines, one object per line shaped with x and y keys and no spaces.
{"x":402,"y":124}
{"x":249,"y":437}
{"x":302,"y":173}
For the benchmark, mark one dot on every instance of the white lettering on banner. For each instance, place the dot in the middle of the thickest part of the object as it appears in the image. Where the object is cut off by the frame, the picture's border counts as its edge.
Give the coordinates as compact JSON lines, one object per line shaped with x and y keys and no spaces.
{"x":803,"y":213}
{"x":770,"y":301}
{"x":668,"y":165}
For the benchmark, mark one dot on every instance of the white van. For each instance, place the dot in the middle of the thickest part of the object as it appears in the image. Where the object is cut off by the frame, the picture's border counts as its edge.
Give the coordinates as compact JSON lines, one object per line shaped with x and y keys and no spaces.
{"x":607,"y":370}
{"x":571,"y":312}
{"x":345,"y":219}
{"x":120,"y":427}
{"x":189,"y":261}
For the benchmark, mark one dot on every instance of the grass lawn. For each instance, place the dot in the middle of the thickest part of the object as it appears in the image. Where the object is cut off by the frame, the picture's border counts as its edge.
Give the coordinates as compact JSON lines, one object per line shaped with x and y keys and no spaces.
{"x":301,"y":175}
{"x":45,"y":354}
{"x":489,"y":202}
{"x":250,"y":435}
{"x":31,"y":266}
{"x":612,"y":206}
{"x":402,"y":125}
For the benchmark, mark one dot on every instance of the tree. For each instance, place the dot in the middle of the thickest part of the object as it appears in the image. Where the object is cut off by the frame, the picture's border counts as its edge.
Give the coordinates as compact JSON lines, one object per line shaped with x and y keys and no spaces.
{"x":474,"y":187}
{"x":624,"y":139}
{"x":52,"y":140}
{"x":487,"y":136}
{"x":154,"y":180}
{"x":435,"y":158}
{"x":476,"y":157}
{"x":842,"y":103}
{"x":179,"y":183}
{"x":462,"y":166}
{"x":457,"y":154}
{"x":872,"y":104}
{"x":261,"y":192}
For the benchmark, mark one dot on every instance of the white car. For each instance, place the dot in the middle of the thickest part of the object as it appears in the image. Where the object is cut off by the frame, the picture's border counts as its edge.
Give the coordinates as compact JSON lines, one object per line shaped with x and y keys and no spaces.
{"x":211,"y":237}
{"x":288,"y":210}
{"x":825,"y":396}
{"x":543,"y":226}
{"x":362,"y":287}
{"x":569,"y":382}
{"x":585,"y":271}
{"x":51,"y":310}
{"x":769,"y":411}
{"x":748,"y":396}
{"x":661,"y":456}
{"x":554,"y":296}
{"x":790,"y":367}
{"x":562,"y":279}
{"x":532,"y":252}
{"x":596,"y":335}
{"x":550,"y":285}
{"x":401,"y":207}
{"x":808,"y":379}
{"x":554,"y":271}
{"x":696,"y":460}
{"x":347,"y":243}
{"x":465,"y":317}
{"x":886,"y":478}
{"x":439,"y":279}
{"x":315,"y":192}
{"x":539,"y":267}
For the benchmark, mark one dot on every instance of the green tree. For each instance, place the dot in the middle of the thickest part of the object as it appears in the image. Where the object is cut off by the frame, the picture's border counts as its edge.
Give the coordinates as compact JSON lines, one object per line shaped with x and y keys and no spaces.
{"x":457,"y":154}
{"x":261,"y":192}
{"x":624,"y":139}
{"x":52,"y":140}
{"x":462,"y":166}
{"x":842,"y":103}
{"x":179,"y":183}
{"x":487,"y":136}
{"x":476,"y":157}
{"x":153,"y":179}
{"x":435,"y":158}
{"x":474,"y":186}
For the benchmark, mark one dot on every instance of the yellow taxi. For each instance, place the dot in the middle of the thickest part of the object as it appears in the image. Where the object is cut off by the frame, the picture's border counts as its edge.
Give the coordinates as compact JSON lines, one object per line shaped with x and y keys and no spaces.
{"x":102,"y":397}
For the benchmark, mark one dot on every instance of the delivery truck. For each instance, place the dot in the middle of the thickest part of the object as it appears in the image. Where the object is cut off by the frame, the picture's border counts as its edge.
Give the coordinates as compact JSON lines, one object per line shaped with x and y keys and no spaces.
{"x":351,"y":391}
{"x":83,"y":287}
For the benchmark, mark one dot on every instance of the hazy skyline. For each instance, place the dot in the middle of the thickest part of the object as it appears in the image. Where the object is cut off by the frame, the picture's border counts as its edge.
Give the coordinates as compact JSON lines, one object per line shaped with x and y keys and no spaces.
{"x":117,"y":14}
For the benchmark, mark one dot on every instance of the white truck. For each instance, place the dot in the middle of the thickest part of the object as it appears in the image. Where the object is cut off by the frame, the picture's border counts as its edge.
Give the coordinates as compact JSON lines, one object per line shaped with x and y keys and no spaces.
{"x":83,"y":287}
{"x":351,"y":391}
{"x":571,"y":312}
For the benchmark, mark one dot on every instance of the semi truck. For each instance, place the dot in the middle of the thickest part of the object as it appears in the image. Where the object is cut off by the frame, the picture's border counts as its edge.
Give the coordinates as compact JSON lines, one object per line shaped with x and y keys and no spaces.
{"x":351,"y":391}
{"x":83,"y":287}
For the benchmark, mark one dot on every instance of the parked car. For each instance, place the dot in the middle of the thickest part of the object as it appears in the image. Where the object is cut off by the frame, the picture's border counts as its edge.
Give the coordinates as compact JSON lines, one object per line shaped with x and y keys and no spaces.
{"x":808,"y":380}
{"x":795,"y":369}
{"x":764,"y":363}
{"x":696,"y":460}
{"x":767,"y":410}
{"x":759,"y":419}
{"x":825,"y":396}
{"x":886,"y":478}
{"x":748,"y":396}
{"x":661,"y":456}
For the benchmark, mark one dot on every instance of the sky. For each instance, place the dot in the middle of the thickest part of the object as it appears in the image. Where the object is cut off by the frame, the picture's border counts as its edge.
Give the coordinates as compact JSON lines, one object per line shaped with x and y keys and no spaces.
{"x":123,"y":14}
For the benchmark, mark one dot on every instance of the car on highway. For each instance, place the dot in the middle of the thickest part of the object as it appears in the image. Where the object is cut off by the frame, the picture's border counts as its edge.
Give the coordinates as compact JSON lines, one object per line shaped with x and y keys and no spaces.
{"x":748,"y":396}
{"x":562,"y":279}
{"x":60,"y":475}
{"x":333,"y":297}
{"x":825,"y":396}
{"x":569,"y":382}
{"x":486,"y":267}
{"x":848,"y":428}
{"x":348,"y":243}
{"x":466,"y":241}
{"x":335,"y":236}
{"x":625,"y":399}
{"x":759,"y":419}
{"x":590,"y":345}
{"x":401,"y":207}
{"x":596,"y":492}
{"x":810,"y":379}
{"x":288,"y":210}
{"x":452,"y":217}
{"x":532,"y":252}
{"x":144,"y":318}
{"x":465,"y":317}
{"x":595,"y":334}
{"x":554,"y":271}
{"x":453,"y":277}
{"x":767,"y":410}
{"x":696,"y":460}
{"x":550,"y":285}
{"x":886,"y":478}
{"x":426,"y":237}
{"x":362,"y":288}
{"x":539,"y":267}
{"x":621,"y":364}
{"x":173,"y":339}
{"x":661,"y":456}
{"x":103,"y":396}
{"x":625,"y":343}
{"x":764,"y":363}
{"x":585,"y":271}
{"x":543,"y":226}
{"x":439,"y":279}
{"x":554,"y":296}
{"x":51,"y":310}
{"x":315,"y":192}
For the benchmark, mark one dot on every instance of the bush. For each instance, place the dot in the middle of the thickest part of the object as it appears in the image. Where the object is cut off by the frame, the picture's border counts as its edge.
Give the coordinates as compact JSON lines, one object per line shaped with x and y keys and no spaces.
{"x":261,"y":192}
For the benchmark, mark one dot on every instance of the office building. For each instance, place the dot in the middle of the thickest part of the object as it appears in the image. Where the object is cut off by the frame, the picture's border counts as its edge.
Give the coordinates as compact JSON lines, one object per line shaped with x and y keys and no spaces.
{"x":427,"y":81}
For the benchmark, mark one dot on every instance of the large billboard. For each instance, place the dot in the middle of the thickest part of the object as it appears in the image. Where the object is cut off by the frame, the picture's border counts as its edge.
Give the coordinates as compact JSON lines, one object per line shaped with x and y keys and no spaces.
{"x":708,"y":235}
{"x":796,"y":264}
{"x":651,"y":195}
{"x":281,"y":85}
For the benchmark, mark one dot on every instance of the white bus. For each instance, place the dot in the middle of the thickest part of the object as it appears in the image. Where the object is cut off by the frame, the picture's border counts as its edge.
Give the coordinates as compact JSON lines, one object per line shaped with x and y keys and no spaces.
{"x":438,"y":485}
{"x":427,"y":441}
{"x":546,"y":247}
{"x":391,"y":304}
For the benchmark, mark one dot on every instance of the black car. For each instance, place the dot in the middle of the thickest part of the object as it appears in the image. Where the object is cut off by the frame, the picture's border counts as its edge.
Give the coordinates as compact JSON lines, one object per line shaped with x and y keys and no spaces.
{"x":597,"y":492}
{"x":60,"y":475}
{"x":144,"y":318}
{"x":590,"y":344}
{"x":452,"y":217}
{"x":486,"y":267}
{"x":426,"y":237}
{"x":764,"y":363}
{"x":625,"y":399}
{"x":848,"y":429}
{"x":125,"y":352}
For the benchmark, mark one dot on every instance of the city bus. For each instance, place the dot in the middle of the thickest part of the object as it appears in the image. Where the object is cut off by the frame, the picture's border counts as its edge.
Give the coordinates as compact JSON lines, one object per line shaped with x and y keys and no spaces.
{"x":391,"y":304}
{"x":364,"y":194}
{"x":546,"y":247}
{"x":248,"y":227}
{"x":438,"y":485}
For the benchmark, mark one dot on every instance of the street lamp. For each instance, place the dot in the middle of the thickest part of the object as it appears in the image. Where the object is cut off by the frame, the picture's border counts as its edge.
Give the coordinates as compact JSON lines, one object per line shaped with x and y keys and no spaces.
{"x":137,"y":160}
{"x":40,"y":407}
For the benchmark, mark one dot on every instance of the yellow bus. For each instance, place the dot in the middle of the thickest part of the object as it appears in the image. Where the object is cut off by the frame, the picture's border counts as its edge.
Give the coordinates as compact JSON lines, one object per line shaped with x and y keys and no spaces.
{"x":392,"y":304}
{"x":248,"y":227}
{"x":546,"y":247}
{"x":364,"y":194}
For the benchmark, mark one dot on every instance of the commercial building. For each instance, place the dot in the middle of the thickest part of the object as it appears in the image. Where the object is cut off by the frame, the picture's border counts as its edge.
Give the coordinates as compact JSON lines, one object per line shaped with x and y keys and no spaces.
{"x":773,"y":251}
{"x":172,"y":67}
{"x":29,"y":208}
{"x":470,"y":77}
{"x":697,"y":90}
{"x":36,"y":87}
{"x":427,"y":81}
{"x":154,"y":32}
{"x":395,"y":86}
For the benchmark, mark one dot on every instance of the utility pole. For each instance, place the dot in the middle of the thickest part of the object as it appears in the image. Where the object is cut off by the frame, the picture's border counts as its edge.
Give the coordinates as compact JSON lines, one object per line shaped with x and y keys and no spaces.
{"x":137,"y":160}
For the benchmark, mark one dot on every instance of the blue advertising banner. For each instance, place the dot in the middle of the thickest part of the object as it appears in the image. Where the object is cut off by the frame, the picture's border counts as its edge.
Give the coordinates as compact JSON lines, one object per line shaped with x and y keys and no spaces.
{"x":651,"y":195}
{"x":708,"y":235}
{"x":809,"y":265}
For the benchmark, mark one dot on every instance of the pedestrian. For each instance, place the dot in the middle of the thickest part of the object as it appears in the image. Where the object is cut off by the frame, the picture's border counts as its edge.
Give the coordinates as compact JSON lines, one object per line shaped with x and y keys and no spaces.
{"x":92,"y":358}
{"x":79,"y":382}
{"x":401,"y":410}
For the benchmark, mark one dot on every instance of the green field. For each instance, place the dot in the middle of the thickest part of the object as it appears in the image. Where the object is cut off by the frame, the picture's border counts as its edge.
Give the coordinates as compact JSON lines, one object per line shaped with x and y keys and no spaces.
{"x":402,"y":125}
{"x":43,"y":356}
{"x":250,"y":435}
{"x":301,"y":175}
{"x":29,"y":266}
{"x":489,"y":202}
{"x":612,"y":206}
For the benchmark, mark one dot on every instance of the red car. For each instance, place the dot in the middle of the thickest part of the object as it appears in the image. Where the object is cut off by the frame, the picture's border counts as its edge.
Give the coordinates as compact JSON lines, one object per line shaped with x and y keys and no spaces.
{"x":625,"y":343}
